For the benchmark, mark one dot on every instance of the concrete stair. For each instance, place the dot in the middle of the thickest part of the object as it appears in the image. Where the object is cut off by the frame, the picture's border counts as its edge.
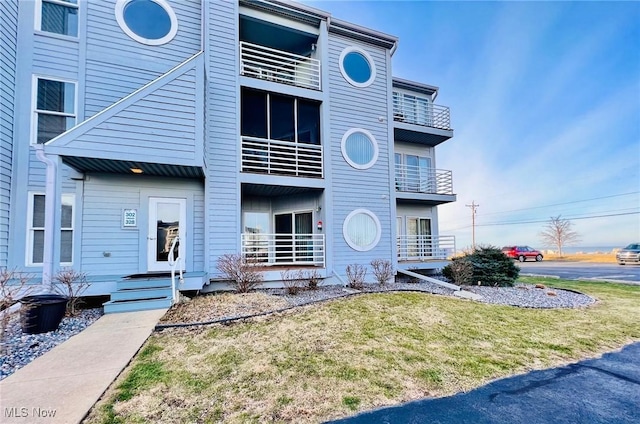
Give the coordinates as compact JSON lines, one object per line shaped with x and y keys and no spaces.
{"x":140,"y":294}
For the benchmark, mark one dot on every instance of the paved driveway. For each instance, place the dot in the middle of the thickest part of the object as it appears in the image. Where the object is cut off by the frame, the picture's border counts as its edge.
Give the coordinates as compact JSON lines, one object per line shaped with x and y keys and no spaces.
{"x":603,"y":390}
{"x":583,"y":271}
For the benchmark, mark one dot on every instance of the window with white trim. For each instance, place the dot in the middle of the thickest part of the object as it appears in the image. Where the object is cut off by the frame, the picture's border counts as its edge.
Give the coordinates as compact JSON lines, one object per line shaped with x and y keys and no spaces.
{"x":54,"y":108}
{"x":362,"y":230}
{"x":36,"y":217}
{"x":357,"y":67}
{"x":150,"y":22}
{"x":57,"y":17}
{"x":359,"y":148}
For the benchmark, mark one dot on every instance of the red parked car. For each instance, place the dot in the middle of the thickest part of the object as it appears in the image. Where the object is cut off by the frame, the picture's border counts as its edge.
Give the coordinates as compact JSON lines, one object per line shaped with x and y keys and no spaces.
{"x":522,"y":253}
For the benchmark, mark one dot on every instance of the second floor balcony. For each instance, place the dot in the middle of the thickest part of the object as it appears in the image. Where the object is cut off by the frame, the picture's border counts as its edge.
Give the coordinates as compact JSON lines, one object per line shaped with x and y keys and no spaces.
{"x":279,"y":66}
{"x":277,"y":157}
{"x":416,"y":179}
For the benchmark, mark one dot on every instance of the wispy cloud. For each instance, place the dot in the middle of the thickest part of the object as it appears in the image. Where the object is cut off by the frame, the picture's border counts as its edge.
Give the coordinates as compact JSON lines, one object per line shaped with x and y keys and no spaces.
{"x":545,"y":103}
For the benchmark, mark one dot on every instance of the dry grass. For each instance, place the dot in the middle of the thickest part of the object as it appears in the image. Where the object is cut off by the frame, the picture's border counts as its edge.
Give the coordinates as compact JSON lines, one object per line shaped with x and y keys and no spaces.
{"x":216,"y":306}
{"x":582,"y":257}
{"x":330,"y":360}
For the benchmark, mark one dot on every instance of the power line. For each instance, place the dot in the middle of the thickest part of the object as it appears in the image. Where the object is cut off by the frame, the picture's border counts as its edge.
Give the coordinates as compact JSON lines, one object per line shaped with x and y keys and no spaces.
{"x":563,"y":203}
{"x":577,"y":217}
{"x":568,"y":218}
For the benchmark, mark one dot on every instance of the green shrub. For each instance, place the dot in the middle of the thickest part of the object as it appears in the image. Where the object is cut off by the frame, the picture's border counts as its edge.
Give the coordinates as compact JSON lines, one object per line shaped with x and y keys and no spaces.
{"x":489,"y":267}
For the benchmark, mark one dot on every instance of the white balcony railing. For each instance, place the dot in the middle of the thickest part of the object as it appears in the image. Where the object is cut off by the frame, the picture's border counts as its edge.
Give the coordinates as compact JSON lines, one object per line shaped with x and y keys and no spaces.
{"x":418,"y":248}
{"x":417,"y":179}
{"x":284,"y":249}
{"x":279,"y":66}
{"x":420,"y":111}
{"x":281,"y":157}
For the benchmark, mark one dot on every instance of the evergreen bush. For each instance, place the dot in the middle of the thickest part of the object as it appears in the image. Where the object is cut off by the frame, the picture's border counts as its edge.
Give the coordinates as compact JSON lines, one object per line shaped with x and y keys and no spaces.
{"x":489,"y":267}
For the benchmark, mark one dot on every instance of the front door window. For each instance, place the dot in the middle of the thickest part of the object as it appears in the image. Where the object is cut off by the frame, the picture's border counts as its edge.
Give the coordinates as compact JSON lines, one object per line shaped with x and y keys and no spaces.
{"x":166,"y":223}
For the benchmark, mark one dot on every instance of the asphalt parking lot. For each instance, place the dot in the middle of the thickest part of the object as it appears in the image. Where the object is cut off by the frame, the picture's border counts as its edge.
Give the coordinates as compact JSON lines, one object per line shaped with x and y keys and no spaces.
{"x":629,"y":274}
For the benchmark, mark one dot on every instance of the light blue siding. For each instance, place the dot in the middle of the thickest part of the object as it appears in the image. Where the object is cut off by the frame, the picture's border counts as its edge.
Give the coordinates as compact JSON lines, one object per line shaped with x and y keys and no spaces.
{"x":156,"y":124}
{"x":55,"y":56}
{"x":118,"y":65}
{"x":9,"y":30}
{"x":353,"y":107}
{"x":103,"y":92}
{"x":107,"y":247}
{"x":222,"y":132}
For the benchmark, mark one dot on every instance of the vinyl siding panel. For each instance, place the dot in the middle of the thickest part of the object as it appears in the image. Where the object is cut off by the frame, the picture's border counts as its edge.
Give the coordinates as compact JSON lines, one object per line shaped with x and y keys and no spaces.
{"x":9,"y":28}
{"x":222,"y":132}
{"x":106,"y":83}
{"x":353,"y":107}
{"x":104,"y":199}
{"x":56,"y":57}
{"x":118,"y":65}
{"x":161,"y":125}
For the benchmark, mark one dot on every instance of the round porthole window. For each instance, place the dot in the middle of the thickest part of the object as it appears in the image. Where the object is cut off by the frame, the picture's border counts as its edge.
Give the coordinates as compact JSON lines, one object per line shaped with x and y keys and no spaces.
{"x":359,"y":148}
{"x":361,"y":230}
{"x":357,"y":67}
{"x":151,"y":22}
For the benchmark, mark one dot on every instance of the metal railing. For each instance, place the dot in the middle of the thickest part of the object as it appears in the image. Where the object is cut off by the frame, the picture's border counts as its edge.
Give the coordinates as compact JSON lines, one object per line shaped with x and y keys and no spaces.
{"x":175,"y":262}
{"x":281,"y":157}
{"x":420,"y":111}
{"x":284,"y":249}
{"x":425,"y":247}
{"x":279,"y":66}
{"x":417,"y":179}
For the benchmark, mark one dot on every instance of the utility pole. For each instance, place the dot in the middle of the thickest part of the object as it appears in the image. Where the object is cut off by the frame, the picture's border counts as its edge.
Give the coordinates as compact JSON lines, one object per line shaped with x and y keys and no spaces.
{"x":473,"y":207}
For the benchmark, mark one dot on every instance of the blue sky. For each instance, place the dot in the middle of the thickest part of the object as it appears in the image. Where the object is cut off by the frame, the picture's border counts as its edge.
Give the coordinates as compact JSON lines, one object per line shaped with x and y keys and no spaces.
{"x":545,"y":106}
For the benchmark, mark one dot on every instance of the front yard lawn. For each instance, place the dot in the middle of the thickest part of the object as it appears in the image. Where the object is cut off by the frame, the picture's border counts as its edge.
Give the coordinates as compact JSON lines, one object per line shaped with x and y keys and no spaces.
{"x":336,"y":358}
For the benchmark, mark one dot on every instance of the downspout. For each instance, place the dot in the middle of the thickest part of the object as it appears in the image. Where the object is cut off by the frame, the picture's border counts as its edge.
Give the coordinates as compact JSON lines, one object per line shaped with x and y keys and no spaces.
{"x":394,"y":48}
{"x":49,"y":220}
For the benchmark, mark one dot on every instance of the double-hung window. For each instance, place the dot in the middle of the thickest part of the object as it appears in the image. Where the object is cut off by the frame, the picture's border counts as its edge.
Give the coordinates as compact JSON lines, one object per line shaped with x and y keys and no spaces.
{"x":35,"y":242}
{"x":54,"y":108}
{"x":57,"y":17}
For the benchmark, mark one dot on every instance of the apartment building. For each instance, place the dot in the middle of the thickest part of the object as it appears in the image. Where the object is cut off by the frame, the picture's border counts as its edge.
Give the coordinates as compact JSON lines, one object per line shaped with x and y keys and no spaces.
{"x":147,"y":137}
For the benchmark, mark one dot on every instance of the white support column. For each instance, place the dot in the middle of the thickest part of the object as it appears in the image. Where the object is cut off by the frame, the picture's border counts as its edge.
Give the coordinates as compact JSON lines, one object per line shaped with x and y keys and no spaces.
{"x":53,"y":205}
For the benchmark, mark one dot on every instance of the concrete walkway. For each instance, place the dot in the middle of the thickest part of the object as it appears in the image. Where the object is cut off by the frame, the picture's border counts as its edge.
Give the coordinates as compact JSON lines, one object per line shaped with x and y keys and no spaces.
{"x":64,"y":383}
{"x":604,"y":390}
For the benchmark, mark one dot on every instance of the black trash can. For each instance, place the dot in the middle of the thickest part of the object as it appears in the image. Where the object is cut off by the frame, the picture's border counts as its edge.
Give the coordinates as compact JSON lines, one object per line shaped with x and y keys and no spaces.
{"x":42,"y":313}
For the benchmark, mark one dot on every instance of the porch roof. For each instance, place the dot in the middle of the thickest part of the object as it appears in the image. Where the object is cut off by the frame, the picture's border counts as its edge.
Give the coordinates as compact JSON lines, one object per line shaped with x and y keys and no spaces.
{"x":109,"y":166}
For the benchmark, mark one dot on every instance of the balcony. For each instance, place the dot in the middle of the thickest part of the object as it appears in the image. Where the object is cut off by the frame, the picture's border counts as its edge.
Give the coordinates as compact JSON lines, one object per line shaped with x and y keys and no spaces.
{"x":279,"y":66}
{"x":284,"y":249}
{"x":425,"y":248}
{"x":419,"y":120}
{"x":419,"y":183}
{"x":274,"y":157}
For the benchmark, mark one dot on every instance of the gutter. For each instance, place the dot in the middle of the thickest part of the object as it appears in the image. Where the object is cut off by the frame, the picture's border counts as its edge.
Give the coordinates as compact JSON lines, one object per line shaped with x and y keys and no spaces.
{"x":49,"y":217}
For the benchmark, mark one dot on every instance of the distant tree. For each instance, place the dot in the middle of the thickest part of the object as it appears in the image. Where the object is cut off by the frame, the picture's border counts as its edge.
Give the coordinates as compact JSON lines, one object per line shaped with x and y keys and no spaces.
{"x":559,"y":232}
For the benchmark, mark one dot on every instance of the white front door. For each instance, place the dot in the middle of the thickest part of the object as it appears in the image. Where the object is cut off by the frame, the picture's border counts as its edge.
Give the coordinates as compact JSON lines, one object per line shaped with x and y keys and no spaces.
{"x":167,"y":220}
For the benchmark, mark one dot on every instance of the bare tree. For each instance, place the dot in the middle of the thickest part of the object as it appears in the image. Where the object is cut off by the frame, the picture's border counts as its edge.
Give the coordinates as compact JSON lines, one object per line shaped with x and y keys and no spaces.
{"x":559,"y":232}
